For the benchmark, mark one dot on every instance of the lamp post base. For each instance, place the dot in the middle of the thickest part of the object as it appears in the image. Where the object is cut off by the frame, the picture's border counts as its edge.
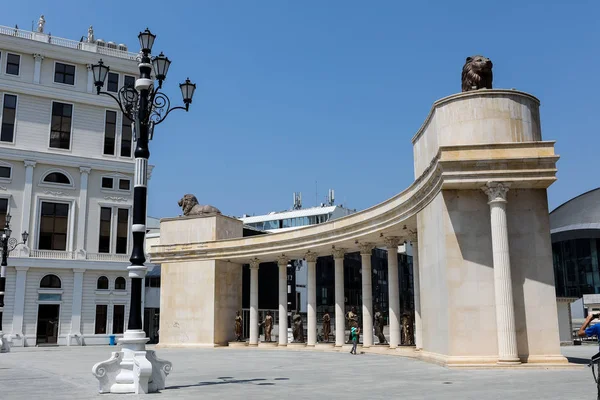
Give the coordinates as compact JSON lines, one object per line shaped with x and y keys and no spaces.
{"x":4,"y":343}
{"x":133,"y":369}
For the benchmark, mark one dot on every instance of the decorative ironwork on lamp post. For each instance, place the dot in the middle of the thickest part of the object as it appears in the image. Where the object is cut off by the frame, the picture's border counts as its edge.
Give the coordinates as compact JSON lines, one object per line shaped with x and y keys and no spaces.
{"x":146,"y":106}
{"x":7,"y":244}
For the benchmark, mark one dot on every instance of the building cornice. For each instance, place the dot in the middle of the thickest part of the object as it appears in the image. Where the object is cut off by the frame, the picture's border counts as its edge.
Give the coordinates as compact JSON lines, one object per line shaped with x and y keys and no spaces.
{"x":57,"y":93}
{"x":67,"y":160}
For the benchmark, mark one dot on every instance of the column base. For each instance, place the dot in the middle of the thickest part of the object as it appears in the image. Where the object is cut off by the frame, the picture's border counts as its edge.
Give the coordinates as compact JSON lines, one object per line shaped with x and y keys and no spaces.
{"x":268,"y":344}
{"x":5,"y":343}
{"x":133,"y":369}
{"x":509,"y":361}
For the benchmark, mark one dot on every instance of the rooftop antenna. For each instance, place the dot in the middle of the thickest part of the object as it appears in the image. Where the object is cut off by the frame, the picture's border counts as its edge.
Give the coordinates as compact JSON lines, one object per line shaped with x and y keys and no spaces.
{"x":331,"y":197}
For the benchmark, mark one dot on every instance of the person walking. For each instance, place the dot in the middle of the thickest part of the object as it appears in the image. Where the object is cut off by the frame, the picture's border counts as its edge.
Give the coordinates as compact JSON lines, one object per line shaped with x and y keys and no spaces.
{"x":354,"y":332}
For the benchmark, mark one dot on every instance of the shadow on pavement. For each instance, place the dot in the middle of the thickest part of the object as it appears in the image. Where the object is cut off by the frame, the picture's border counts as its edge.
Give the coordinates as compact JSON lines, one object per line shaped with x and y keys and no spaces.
{"x":224,"y":380}
{"x":577,"y":360}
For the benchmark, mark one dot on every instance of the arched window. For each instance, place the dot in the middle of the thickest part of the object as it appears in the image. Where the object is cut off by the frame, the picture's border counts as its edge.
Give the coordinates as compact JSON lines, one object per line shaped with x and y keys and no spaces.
{"x":120,"y":283}
{"x":57,"y":178}
{"x":50,"y":282}
{"x":102,"y":283}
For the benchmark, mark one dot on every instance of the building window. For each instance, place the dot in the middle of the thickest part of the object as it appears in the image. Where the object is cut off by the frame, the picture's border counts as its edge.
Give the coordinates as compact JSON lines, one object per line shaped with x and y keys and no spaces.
{"x":50,"y":282}
{"x":64,"y":73}
{"x":5,"y":172}
{"x":57,"y":178}
{"x":120,"y":283}
{"x":122,"y":230}
{"x":53,"y":226}
{"x":129,"y":81}
{"x":110,"y":132}
{"x":112,"y":82}
{"x":3,"y":211}
{"x":101,"y":316}
{"x":126,"y":137}
{"x":102,"y":283}
{"x":107,"y":183}
{"x":9,"y":112}
{"x":12,"y":64}
{"x":124,"y":184}
{"x":105,"y":222}
{"x":60,"y":131}
{"x":152,"y":281}
{"x":118,"y":318}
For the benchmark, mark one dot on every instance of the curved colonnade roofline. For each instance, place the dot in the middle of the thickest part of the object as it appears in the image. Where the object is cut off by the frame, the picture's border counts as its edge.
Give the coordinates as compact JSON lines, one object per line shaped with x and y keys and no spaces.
{"x":524,"y":164}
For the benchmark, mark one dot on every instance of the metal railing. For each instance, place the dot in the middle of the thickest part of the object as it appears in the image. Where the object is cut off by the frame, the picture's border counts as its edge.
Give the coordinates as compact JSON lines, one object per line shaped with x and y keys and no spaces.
{"x":71,"y":44}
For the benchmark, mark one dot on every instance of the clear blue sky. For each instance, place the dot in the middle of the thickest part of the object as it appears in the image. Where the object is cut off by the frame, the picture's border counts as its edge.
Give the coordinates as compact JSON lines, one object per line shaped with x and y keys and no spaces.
{"x":293,"y":92}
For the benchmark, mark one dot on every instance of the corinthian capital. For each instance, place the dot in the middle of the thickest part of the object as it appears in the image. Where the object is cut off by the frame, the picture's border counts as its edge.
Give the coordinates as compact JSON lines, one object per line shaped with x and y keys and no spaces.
{"x":339,"y":253}
{"x":366,"y":249}
{"x":392,"y":242}
{"x":496,"y":191}
{"x":254,"y":263}
{"x":311,"y":257}
{"x":282,"y":260}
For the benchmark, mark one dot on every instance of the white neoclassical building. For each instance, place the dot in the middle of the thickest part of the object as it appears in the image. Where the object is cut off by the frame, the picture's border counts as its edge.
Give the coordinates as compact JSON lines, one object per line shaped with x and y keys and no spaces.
{"x":66,"y":172}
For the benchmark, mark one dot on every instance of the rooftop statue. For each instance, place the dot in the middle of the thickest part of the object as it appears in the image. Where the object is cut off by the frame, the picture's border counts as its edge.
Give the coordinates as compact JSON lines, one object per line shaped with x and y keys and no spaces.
{"x":477,"y":73}
{"x":90,"y":36}
{"x":189,"y":205}
{"x":41,"y":23}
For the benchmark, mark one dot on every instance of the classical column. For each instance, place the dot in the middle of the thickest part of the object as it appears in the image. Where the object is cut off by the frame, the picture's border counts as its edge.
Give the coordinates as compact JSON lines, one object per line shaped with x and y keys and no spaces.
{"x":27,"y":195}
{"x":17,"y":329}
{"x":77,"y":299}
{"x":37,"y":68}
{"x":90,"y":79}
{"x":366,"y":249}
{"x":311,"y":286}
{"x":505,"y":313}
{"x":391,"y":245}
{"x":282,"y":263}
{"x":82,"y":216}
{"x":417,"y":291}
{"x":254,"y":264}
{"x":340,"y":317}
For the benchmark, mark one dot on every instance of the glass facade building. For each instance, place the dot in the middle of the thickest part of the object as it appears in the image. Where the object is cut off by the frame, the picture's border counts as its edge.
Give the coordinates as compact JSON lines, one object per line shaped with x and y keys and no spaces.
{"x":576,"y":267}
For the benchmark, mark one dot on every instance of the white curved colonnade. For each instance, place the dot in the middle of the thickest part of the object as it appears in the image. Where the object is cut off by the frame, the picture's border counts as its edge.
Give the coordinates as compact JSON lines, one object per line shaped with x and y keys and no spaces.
{"x":477,"y":216}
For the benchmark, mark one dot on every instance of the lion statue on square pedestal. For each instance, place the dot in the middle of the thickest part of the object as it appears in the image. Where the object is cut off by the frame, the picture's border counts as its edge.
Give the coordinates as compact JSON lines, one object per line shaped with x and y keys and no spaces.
{"x":190,"y":206}
{"x":477,"y":73}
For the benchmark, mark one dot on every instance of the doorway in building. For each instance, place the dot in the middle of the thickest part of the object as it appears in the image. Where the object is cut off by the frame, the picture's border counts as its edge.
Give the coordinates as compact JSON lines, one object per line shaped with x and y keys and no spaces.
{"x":47,"y":324}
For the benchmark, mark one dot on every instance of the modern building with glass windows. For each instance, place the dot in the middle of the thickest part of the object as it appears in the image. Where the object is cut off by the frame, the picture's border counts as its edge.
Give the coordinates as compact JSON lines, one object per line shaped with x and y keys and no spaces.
{"x":575,"y":230}
{"x":66,"y":171}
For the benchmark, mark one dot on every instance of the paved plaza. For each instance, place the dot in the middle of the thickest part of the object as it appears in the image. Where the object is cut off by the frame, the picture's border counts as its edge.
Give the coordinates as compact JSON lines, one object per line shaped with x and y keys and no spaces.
{"x":65,"y":373}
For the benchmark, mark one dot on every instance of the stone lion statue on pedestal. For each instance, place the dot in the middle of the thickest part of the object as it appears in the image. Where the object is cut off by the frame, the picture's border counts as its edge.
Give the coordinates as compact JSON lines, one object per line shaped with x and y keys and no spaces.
{"x":477,"y":73}
{"x":190,"y":206}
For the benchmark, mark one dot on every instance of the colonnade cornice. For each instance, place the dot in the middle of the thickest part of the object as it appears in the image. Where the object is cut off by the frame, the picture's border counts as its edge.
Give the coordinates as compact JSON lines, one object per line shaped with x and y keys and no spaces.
{"x":454,"y":167}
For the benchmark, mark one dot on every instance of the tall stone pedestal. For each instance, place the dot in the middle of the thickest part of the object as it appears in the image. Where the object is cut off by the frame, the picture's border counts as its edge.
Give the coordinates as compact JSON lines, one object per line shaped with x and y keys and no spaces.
{"x":199,"y":299}
{"x":485,"y":257}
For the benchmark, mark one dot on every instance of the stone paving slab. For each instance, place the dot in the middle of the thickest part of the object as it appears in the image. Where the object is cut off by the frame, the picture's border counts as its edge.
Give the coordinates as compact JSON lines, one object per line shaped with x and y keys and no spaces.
{"x":252,"y":373}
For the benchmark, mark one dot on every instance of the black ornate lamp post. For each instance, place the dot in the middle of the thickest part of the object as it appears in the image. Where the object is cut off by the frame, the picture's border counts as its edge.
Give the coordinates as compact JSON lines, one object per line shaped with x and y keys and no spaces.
{"x":147,"y":107}
{"x":8,"y":244}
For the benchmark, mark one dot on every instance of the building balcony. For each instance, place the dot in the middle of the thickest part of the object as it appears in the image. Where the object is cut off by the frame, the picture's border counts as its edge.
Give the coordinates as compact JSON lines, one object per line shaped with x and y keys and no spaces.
{"x":71,"y":255}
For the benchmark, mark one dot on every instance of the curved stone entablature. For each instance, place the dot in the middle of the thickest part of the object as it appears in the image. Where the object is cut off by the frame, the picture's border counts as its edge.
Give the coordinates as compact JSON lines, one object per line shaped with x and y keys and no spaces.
{"x":486,"y":155}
